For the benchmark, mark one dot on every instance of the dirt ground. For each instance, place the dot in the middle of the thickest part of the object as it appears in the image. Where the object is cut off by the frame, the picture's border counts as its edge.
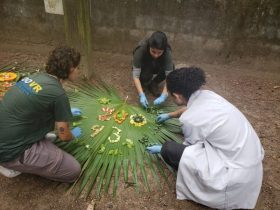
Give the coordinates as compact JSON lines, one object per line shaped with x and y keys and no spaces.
{"x":253,"y":89}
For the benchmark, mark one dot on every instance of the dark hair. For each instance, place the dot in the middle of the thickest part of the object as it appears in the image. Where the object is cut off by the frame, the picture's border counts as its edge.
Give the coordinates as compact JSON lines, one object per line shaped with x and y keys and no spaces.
{"x":158,"y":40}
{"x":185,"y":81}
{"x":61,"y":60}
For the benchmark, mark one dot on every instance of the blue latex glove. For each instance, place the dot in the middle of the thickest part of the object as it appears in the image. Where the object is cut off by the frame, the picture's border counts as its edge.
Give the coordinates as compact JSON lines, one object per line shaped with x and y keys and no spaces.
{"x":154,"y":149}
{"x":143,"y":100}
{"x":76,"y":132}
{"x":76,"y":112}
{"x":162,"y":117}
{"x":160,"y":99}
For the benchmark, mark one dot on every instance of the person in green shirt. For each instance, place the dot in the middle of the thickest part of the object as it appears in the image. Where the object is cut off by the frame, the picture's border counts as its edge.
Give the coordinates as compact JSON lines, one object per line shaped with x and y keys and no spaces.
{"x":152,"y":62}
{"x":33,"y":107}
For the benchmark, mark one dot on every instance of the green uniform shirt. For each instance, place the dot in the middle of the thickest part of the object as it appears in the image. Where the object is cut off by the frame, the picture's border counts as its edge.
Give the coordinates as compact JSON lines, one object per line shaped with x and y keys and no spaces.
{"x":28,"y":112}
{"x":141,"y":56}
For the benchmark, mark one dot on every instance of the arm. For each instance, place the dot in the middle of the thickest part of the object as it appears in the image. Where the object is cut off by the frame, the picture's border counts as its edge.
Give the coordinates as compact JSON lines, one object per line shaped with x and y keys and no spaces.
{"x":164,"y":91}
{"x":138,"y":85}
{"x":178,"y":112}
{"x":168,"y":67}
{"x":166,"y":116}
{"x":64,"y":132}
{"x":143,"y":100}
{"x":136,"y":67}
{"x":162,"y":97}
{"x":136,"y":75}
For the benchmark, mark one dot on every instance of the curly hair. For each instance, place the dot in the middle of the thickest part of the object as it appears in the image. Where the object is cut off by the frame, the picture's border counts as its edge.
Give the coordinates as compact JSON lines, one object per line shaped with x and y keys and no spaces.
{"x":185,"y":81}
{"x":61,"y":60}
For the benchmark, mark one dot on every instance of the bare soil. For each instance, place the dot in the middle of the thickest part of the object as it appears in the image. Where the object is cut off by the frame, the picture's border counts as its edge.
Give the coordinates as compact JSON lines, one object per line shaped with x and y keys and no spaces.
{"x":253,"y":89}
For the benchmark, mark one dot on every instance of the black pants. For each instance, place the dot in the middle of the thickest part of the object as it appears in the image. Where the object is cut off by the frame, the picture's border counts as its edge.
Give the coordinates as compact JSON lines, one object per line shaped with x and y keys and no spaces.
{"x":172,"y":152}
{"x":148,"y":69}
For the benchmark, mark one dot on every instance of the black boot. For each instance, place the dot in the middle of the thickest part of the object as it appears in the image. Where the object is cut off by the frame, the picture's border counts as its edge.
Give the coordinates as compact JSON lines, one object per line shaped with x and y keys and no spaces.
{"x":154,"y":89}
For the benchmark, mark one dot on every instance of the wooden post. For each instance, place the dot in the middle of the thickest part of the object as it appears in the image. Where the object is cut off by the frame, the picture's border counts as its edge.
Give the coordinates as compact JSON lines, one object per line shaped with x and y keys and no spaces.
{"x":77,"y":24}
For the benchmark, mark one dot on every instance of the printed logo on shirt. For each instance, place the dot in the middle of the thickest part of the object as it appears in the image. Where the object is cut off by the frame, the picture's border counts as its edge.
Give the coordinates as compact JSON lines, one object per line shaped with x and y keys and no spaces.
{"x":29,"y":86}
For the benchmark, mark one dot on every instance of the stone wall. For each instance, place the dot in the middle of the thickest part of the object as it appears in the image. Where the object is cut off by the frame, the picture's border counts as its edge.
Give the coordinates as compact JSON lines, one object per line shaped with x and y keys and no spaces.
{"x":197,"y":29}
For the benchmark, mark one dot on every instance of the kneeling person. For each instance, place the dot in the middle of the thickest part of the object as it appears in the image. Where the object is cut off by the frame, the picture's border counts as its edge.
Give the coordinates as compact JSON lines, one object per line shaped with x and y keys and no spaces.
{"x":30,"y":110}
{"x":220,"y":162}
{"x":152,"y":61}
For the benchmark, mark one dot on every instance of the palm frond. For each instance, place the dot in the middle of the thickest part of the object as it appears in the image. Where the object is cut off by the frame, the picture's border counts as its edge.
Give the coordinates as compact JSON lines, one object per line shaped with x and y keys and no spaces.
{"x":103,"y":161}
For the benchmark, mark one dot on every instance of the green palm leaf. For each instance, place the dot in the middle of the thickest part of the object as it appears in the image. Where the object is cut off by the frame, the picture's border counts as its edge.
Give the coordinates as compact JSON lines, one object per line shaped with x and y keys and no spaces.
{"x":103,"y":161}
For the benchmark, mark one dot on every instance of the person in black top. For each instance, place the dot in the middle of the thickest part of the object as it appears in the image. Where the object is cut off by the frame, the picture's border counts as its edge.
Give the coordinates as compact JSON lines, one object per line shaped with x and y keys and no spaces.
{"x":152,"y":62}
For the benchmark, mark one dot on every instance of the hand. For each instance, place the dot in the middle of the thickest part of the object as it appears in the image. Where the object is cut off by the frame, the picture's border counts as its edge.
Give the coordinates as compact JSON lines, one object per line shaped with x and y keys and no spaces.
{"x":76,"y":112}
{"x":76,"y":132}
{"x":162,"y":118}
{"x":154,"y":149}
{"x":143,"y":100}
{"x":160,"y":99}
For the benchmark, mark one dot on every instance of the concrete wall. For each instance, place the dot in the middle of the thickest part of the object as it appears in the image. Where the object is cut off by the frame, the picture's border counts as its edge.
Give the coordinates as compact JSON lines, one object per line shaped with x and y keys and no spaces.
{"x":201,"y":29}
{"x":25,"y":21}
{"x":196,"y":28}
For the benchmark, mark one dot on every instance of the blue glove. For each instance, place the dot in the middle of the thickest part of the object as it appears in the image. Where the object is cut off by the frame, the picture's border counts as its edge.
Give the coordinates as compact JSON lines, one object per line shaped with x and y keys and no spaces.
{"x":162,"y":117}
{"x":160,"y":99}
{"x":143,"y":100}
{"x":76,"y":112}
{"x":76,"y":132}
{"x":154,"y":149}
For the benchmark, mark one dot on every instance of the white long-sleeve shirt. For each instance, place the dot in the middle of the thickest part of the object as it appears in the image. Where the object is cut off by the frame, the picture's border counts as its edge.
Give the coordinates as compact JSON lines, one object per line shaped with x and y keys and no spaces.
{"x":222,"y":165}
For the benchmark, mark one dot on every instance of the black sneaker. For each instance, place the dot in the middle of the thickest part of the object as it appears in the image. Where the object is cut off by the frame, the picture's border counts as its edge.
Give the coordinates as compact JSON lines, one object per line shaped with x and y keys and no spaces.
{"x":154,"y":89}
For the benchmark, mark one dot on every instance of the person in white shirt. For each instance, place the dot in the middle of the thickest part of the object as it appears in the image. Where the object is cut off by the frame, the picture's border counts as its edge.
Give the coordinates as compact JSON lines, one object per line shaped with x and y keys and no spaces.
{"x":220,"y":161}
